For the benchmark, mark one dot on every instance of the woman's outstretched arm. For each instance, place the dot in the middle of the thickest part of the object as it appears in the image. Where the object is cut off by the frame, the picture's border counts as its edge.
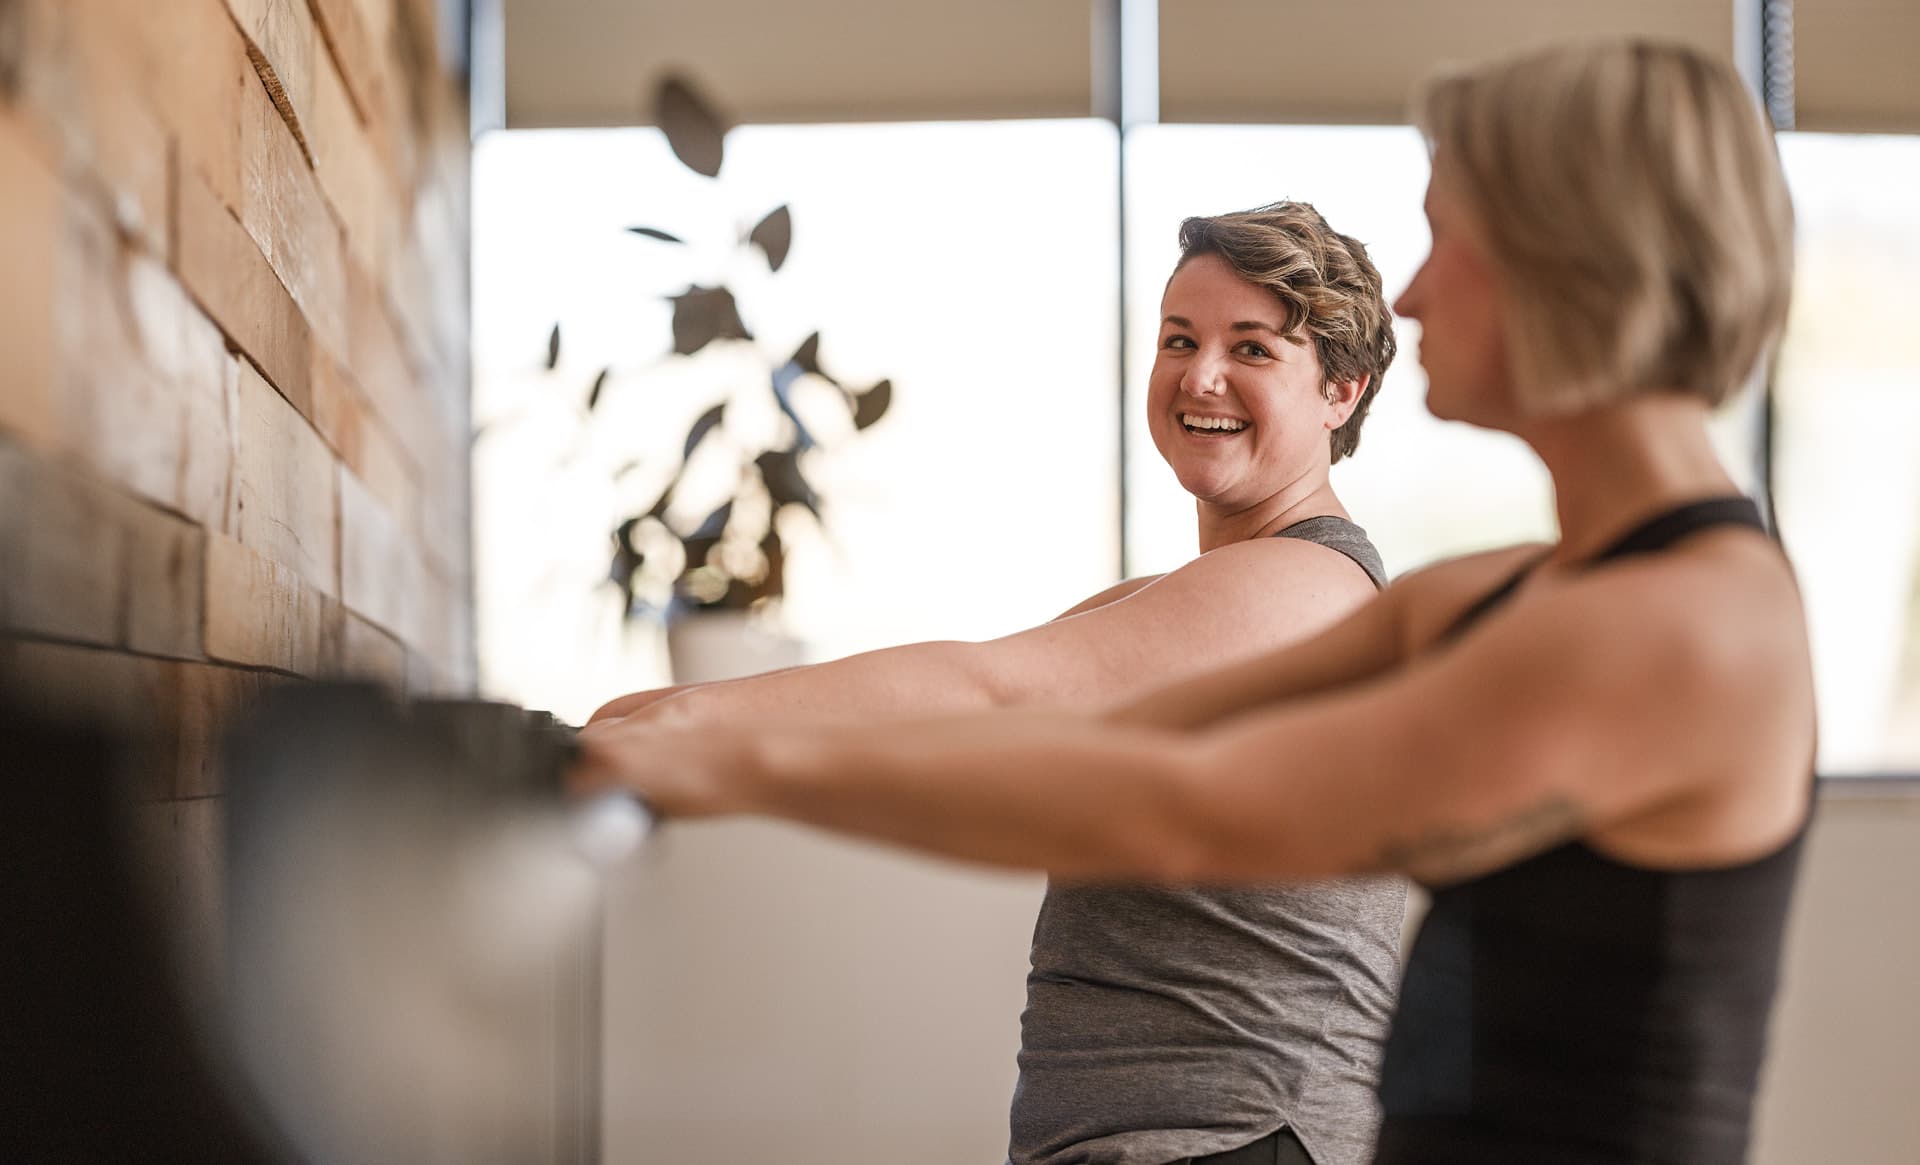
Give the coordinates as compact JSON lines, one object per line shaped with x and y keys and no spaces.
{"x":1549,"y":722}
{"x":1224,"y":606}
{"x":1364,"y":644}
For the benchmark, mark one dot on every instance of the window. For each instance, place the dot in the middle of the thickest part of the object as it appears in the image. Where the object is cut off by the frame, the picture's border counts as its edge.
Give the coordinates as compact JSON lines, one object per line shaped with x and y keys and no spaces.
{"x":1847,"y":438}
{"x":971,"y":263}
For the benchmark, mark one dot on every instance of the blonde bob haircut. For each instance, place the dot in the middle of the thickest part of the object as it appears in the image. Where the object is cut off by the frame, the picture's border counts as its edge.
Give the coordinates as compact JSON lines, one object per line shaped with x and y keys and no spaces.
{"x":1632,"y":194}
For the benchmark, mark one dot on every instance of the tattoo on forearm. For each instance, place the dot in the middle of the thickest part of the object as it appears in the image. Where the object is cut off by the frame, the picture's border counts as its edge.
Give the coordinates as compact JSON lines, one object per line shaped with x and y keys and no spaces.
{"x":1448,"y":854}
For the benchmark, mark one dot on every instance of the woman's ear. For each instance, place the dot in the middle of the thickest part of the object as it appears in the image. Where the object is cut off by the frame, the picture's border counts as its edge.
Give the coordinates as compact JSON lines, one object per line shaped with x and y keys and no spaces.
{"x":1343,"y":396}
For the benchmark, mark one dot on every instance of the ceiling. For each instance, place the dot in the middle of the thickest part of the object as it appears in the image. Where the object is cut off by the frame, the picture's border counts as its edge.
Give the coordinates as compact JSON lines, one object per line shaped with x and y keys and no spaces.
{"x":589,"y":62}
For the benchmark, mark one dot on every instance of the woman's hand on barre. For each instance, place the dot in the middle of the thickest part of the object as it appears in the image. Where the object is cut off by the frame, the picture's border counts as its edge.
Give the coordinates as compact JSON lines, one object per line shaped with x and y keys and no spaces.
{"x":634,"y":702}
{"x":676,"y":771}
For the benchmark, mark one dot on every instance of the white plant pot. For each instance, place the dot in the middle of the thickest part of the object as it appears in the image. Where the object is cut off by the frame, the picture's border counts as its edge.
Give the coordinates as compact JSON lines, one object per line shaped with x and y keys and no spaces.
{"x":725,"y":645}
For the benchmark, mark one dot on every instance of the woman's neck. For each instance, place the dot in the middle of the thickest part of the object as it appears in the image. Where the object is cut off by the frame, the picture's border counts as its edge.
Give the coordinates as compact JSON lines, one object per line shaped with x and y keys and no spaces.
{"x":1616,"y":466}
{"x":1307,"y":497}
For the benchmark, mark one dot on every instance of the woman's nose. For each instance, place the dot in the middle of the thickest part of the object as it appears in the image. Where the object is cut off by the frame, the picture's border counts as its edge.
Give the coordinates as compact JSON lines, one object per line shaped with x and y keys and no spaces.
{"x":1410,"y":301}
{"x":1204,"y":376}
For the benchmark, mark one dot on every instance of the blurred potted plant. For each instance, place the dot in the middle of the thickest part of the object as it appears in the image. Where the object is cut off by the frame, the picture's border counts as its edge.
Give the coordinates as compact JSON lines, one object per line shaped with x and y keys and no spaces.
{"x":706,"y":577}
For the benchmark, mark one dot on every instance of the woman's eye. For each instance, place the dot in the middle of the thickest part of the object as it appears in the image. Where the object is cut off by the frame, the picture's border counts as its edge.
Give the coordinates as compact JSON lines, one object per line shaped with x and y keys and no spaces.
{"x":1252,"y":349}
{"x":1176,"y":342}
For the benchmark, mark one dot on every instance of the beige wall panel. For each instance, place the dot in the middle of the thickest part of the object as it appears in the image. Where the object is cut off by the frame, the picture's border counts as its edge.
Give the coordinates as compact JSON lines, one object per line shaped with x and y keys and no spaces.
{"x":1839,"y":1083}
{"x":590,"y":62}
{"x":1857,"y":65}
{"x":1358,"y":60}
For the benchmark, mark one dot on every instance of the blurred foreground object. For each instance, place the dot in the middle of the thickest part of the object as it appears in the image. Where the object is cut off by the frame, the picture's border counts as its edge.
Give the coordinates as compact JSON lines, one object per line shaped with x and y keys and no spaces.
{"x":413,"y":943}
{"x":414,"y":934}
{"x":102,"y":1057}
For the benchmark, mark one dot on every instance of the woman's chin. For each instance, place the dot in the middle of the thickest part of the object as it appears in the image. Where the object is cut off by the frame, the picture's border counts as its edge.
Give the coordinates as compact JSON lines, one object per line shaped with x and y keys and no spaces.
{"x":1444,"y":407}
{"x":1442,"y":402}
{"x":1204,"y":483}
{"x":1473,"y":402}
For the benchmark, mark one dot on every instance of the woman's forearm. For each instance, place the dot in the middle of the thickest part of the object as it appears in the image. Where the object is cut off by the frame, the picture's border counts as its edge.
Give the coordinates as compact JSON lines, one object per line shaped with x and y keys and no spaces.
{"x":634,"y":702}
{"x":919,"y":679}
{"x":1022,"y":789}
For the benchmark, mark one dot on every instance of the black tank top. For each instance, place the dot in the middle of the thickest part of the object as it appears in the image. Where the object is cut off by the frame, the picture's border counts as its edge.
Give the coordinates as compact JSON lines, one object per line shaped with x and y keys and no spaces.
{"x":1576,"y":1010}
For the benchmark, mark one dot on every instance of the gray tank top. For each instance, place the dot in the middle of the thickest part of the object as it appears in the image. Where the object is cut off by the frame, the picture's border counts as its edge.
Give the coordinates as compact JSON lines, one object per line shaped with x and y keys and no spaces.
{"x":1170,"y":1023}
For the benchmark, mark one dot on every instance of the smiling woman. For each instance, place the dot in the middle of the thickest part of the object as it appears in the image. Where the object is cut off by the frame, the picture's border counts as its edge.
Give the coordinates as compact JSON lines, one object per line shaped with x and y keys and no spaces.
{"x":1273,"y":1000}
{"x":1253,"y":380}
{"x":1367,"y":180}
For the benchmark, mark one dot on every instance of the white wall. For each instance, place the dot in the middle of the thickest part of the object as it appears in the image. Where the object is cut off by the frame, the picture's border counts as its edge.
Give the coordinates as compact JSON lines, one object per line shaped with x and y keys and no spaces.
{"x":775,"y":996}
{"x":1843,"y":1081}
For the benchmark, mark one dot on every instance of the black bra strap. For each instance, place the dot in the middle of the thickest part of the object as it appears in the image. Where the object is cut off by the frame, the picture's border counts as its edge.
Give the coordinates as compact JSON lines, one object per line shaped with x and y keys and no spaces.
{"x":1663,"y":530}
{"x":1656,"y":533}
{"x":1493,"y":598}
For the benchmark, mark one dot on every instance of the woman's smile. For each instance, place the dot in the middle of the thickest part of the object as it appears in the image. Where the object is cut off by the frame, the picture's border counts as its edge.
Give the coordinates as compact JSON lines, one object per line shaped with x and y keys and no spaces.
{"x":1214,"y":427}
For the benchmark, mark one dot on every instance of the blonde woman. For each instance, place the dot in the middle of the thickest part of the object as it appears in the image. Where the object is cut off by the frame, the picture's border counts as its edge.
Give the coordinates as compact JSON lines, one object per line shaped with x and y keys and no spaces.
{"x":1164,"y":1024}
{"x":1597,"y":753}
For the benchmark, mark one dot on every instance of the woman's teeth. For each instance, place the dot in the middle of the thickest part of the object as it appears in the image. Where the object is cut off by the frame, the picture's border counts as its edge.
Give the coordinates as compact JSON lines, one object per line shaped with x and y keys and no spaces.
{"x":1198,"y":424}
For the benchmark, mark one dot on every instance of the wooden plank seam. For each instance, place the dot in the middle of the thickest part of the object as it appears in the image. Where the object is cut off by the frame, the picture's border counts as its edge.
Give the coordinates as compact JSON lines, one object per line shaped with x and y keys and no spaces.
{"x":277,"y":93}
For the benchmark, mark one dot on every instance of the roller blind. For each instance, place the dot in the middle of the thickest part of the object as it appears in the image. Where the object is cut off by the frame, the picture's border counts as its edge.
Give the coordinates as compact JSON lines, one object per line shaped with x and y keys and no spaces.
{"x":1341,"y":61}
{"x":589,"y":62}
{"x":1857,"y":65}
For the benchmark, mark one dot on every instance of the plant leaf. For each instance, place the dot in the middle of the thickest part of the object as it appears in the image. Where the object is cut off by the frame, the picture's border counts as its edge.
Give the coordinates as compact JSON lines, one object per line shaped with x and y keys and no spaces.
{"x":697,"y":134}
{"x":784,"y":378}
{"x":655,"y":233}
{"x":807,"y":356}
{"x":626,"y":563}
{"x":872,"y":404}
{"x":702,"y":315}
{"x":599,"y":383}
{"x":708,"y":420}
{"x":774,"y":235}
{"x":780,"y":469}
{"x":553,"y":348}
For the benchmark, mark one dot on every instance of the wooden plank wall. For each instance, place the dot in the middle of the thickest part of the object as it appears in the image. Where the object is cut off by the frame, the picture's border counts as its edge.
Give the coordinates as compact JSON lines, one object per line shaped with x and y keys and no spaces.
{"x":234,"y":390}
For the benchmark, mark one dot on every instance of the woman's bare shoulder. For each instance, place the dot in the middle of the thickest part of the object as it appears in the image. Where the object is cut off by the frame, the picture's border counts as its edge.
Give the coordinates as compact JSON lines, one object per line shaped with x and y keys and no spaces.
{"x":1717,"y":636}
{"x":1731,"y":583}
{"x":1296,"y":569}
{"x":1245,"y":596}
{"x":1730,"y":596}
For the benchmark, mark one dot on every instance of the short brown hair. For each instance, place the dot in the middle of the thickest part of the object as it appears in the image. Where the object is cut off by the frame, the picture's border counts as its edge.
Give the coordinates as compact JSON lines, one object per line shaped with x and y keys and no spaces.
{"x":1324,"y":279}
{"x":1632,"y":193}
